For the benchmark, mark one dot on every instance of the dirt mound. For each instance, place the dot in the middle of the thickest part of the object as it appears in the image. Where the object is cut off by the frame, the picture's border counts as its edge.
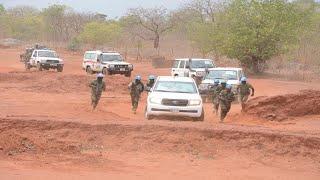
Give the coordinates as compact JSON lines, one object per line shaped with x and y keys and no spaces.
{"x":52,"y":82}
{"x":306,"y":102}
{"x":68,"y":138}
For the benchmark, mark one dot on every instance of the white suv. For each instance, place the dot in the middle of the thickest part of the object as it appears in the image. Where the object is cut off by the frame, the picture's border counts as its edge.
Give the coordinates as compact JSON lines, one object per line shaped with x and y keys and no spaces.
{"x":231,"y":75}
{"x":112,"y":63}
{"x":45,"y":59}
{"x":174,"y":96}
{"x":191,"y":67}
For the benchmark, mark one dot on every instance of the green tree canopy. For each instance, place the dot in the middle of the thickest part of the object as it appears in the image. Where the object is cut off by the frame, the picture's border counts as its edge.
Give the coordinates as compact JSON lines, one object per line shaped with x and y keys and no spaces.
{"x":253,"y":31}
{"x":100,"y":33}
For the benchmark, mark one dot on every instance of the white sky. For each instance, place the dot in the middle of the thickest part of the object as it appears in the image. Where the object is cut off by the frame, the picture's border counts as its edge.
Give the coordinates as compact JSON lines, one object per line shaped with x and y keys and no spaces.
{"x":112,"y":8}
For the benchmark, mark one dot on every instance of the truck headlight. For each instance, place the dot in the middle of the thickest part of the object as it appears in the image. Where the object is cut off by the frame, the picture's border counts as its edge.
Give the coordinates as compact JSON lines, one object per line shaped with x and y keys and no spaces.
{"x":130,"y":66}
{"x":155,"y":100}
{"x":194,"y":102}
{"x":111,"y":66}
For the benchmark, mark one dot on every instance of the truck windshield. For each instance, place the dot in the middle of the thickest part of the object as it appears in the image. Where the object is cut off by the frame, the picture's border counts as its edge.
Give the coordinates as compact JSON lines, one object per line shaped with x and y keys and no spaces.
{"x":201,"y":64}
{"x":107,"y":58}
{"x":175,"y":87}
{"x":222,"y":74}
{"x":51,"y":54}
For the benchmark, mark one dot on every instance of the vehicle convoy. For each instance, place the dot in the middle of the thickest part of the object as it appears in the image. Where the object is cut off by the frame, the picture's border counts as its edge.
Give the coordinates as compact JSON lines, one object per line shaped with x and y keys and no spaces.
{"x":112,"y":63}
{"x":174,"y":96}
{"x":231,"y":75}
{"x":195,"y":68}
{"x":42,"y":59}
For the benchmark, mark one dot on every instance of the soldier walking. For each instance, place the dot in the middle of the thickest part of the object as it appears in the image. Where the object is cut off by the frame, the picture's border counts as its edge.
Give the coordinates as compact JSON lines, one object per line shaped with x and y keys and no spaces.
{"x":97,"y":86}
{"x":136,"y":88}
{"x":150,"y":83}
{"x":244,"y":90}
{"x":225,"y":99}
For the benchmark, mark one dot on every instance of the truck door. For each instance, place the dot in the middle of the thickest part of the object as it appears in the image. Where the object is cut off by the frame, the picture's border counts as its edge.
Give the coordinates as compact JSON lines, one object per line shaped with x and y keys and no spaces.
{"x":175,"y":67}
{"x":181,"y":70}
{"x":34,"y":57}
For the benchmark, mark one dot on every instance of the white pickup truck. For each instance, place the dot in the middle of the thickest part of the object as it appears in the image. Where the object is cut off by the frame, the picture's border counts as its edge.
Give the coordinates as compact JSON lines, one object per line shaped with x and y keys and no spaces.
{"x":44,"y":59}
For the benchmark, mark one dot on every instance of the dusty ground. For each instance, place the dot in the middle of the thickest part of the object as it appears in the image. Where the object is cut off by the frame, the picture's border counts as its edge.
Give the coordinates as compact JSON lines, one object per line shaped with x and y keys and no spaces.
{"x":48,"y":131}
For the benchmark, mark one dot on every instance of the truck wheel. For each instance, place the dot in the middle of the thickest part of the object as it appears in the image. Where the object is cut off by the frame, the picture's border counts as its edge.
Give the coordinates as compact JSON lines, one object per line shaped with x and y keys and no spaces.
{"x":89,"y":70}
{"x":60,"y":68}
{"x":27,"y":66}
{"x":39,"y":67}
{"x":201,"y":118}
{"x":128,"y":74}
{"x":104,"y":71}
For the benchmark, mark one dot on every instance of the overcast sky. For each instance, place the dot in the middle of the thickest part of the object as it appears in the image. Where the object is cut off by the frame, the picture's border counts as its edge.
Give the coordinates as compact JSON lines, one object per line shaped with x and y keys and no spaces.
{"x":112,"y":8}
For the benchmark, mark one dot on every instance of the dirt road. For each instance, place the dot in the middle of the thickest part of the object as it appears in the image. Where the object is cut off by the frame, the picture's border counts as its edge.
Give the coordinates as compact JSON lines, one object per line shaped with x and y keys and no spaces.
{"x":47,"y":130}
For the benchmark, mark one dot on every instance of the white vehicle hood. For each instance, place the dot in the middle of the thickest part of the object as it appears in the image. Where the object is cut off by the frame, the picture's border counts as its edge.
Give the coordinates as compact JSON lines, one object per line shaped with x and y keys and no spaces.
{"x":211,"y":81}
{"x":49,"y":58}
{"x":117,"y":63}
{"x":166,"y":95}
{"x":201,"y":69}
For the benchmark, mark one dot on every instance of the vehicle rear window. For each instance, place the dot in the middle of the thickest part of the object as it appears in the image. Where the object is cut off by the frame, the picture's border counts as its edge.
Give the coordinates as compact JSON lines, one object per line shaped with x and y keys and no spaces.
{"x":175,"y":87}
{"x":175,"y":64}
{"x":90,"y":56}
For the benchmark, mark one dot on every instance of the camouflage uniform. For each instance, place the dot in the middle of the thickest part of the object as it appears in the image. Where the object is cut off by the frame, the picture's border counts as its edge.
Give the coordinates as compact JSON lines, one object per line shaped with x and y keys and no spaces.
{"x":244,"y":92}
{"x":149,"y":85}
{"x":214,"y":92}
{"x":136,"y":88}
{"x":225,"y":99}
{"x":96,"y":91}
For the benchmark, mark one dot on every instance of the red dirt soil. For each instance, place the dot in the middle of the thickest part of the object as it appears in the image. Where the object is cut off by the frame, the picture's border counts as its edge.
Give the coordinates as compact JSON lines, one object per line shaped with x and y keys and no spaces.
{"x":47,"y":131}
{"x":306,"y":102}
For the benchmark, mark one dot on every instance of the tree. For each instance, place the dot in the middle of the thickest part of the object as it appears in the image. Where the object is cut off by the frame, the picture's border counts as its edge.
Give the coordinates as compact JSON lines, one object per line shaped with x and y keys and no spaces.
{"x":2,"y":9}
{"x":23,"y":22}
{"x":55,"y":21}
{"x":149,"y":24}
{"x":197,"y":21}
{"x":253,"y":31}
{"x":100,"y":33}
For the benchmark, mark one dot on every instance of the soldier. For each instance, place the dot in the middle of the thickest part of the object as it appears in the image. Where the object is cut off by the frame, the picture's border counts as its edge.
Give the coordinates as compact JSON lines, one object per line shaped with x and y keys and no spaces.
{"x":214,"y":92}
{"x":243,"y":91}
{"x":150,"y":83}
{"x":97,"y":86}
{"x":98,"y":65}
{"x":136,"y":88}
{"x":225,"y":99}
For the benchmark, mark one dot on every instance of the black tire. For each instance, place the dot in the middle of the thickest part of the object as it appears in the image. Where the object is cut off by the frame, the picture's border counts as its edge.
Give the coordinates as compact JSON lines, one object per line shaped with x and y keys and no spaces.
{"x":201,"y":118}
{"x":39,"y":67}
{"x":89,"y":70}
{"x":128,"y":74}
{"x":60,"y":68}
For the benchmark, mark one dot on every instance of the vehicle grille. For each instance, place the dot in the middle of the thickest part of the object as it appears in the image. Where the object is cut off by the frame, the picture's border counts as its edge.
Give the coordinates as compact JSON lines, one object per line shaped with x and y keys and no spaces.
{"x":53,"y":61}
{"x":174,"y":102}
{"x":121,"y":66}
